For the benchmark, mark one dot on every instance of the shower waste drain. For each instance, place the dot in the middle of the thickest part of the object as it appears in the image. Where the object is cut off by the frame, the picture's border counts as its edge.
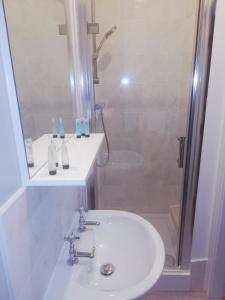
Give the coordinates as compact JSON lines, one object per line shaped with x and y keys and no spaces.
{"x":107,"y":269}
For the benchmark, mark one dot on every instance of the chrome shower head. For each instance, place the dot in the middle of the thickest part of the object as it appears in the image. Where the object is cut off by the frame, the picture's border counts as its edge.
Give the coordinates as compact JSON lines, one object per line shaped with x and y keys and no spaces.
{"x":97,"y":51}
{"x":111,"y":31}
{"x":105,"y":37}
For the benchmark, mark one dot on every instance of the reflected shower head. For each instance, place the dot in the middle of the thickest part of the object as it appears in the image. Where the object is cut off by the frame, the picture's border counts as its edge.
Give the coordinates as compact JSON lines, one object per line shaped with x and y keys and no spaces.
{"x":105,"y":37}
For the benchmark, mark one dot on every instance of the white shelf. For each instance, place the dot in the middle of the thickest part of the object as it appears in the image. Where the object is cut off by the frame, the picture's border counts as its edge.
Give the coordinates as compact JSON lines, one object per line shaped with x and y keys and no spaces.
{"x":82,"y":155}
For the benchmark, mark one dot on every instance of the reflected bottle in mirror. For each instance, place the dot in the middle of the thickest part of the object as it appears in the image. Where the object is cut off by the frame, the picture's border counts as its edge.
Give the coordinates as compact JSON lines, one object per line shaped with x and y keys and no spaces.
{"x":82,"y":127}
{"x":54,"y":129}
{"x":78,"y":128}
{"x":61,"y":129}
{"x":87,"y":128}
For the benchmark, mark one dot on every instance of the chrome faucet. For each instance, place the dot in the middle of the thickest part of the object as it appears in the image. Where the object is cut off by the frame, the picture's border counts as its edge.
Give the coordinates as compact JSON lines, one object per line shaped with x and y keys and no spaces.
{"x":73,"y":254}
{"x":83,"y":223}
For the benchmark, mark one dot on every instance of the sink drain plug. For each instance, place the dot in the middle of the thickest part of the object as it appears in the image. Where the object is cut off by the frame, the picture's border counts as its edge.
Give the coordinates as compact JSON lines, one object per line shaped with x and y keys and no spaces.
{"x":107,"y":269}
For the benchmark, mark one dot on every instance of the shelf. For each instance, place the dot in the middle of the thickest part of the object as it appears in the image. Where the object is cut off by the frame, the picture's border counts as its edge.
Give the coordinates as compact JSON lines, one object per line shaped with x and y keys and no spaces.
{"x":82,"y":155}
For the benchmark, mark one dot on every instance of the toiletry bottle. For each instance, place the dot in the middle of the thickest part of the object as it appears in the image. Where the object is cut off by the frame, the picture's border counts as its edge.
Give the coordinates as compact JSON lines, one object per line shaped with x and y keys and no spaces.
{"x":29,"y":152}
{"x":82,"y":122}
{"x":78,"y":128}
{"x":52,"y":159}
{"x":55,"y":153}
{"x":65,"y":156}
{"x":56,"y":156}
{"x":87,"y":127}
{"x":61,"y":129}
{"x":54,"y":129}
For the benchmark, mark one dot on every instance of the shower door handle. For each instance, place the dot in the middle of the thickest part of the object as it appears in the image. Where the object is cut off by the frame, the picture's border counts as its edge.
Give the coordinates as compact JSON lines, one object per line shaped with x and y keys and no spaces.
{"x":180,"y":160}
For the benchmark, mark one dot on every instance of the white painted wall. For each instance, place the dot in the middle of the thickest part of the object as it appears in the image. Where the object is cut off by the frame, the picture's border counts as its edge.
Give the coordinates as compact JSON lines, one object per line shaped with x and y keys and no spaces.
{"x":9,"y":175}
{"x":10,"y":179}
{"x":12,"y":158}
{"x":214,"y":128}
{"x":4,"y":294}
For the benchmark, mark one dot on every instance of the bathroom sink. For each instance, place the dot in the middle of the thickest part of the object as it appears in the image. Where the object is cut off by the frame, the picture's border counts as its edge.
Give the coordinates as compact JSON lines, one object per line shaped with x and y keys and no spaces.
{"x":128,"y":245}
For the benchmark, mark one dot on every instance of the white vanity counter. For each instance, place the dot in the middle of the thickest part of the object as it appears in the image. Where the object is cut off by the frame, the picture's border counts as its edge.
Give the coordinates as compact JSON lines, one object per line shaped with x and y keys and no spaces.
{"x":82,"y":155}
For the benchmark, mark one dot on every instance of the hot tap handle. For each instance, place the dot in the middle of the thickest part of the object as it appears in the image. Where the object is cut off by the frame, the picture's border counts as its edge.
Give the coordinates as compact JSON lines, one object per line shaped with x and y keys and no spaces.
{"x":71,"y":238}
{"x":81,"y":211}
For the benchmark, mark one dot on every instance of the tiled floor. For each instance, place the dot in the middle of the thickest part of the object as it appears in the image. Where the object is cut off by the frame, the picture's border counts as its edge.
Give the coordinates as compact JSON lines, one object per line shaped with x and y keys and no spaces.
{"x":175,"y":296}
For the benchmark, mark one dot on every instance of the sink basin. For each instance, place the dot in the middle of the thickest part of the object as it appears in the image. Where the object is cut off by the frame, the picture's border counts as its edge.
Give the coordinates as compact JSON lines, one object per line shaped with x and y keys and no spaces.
{"x":125,"y":240}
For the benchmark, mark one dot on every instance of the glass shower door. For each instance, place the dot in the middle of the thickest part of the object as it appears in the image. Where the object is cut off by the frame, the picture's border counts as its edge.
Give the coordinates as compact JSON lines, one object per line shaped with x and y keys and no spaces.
{"x":145,"y":80}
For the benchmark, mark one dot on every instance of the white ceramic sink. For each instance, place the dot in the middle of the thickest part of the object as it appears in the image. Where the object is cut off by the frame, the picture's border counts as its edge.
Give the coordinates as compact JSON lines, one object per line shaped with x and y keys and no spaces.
{"x":124,"y":239}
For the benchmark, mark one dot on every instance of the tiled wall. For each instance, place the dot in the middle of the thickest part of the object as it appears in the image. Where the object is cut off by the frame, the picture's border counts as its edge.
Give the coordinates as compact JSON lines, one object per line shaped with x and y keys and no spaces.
{"x":145,"y":70}
{"x":40,"y":58}
{"x":34,"y":226}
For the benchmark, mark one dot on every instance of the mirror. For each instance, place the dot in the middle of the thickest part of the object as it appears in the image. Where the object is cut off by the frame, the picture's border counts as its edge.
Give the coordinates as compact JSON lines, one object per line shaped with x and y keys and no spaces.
{"x":41,"y":67}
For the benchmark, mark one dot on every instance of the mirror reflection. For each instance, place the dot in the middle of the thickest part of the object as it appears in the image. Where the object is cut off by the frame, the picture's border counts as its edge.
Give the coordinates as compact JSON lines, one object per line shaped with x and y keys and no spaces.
{"x":40,"y":60}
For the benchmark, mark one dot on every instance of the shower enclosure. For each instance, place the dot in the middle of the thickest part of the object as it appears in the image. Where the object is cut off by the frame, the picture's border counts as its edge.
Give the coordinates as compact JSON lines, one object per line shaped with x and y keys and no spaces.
{"x":152,"y":110}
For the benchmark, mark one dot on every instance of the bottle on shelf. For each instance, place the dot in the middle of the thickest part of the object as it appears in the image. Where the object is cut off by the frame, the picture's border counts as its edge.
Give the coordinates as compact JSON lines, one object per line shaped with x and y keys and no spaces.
{"x":65,"y":156}
{"x":55,"y":153}
{"x":29,"y":152}
{"x":52,"y":159}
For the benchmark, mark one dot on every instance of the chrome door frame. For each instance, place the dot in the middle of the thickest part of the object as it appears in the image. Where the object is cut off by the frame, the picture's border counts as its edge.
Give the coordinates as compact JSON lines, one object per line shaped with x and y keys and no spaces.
{"x":204,"y":41}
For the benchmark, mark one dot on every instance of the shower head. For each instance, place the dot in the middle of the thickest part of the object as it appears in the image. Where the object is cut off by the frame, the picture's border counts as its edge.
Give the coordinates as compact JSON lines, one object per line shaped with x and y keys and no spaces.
{"x":105,"y":37}
{"x":111,"y":31}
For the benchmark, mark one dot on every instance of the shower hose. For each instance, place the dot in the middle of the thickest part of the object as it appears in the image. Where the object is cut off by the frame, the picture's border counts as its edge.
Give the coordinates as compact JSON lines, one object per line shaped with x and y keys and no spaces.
{"x":100,"y":108}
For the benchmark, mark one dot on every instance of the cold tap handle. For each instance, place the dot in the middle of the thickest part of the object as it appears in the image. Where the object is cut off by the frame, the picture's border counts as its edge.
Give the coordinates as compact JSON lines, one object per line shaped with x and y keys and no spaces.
{"x":71,"y":238}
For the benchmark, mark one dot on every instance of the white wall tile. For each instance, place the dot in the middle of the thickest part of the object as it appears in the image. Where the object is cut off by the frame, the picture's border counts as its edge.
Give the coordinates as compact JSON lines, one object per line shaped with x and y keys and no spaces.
{"x":34,"y":228}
